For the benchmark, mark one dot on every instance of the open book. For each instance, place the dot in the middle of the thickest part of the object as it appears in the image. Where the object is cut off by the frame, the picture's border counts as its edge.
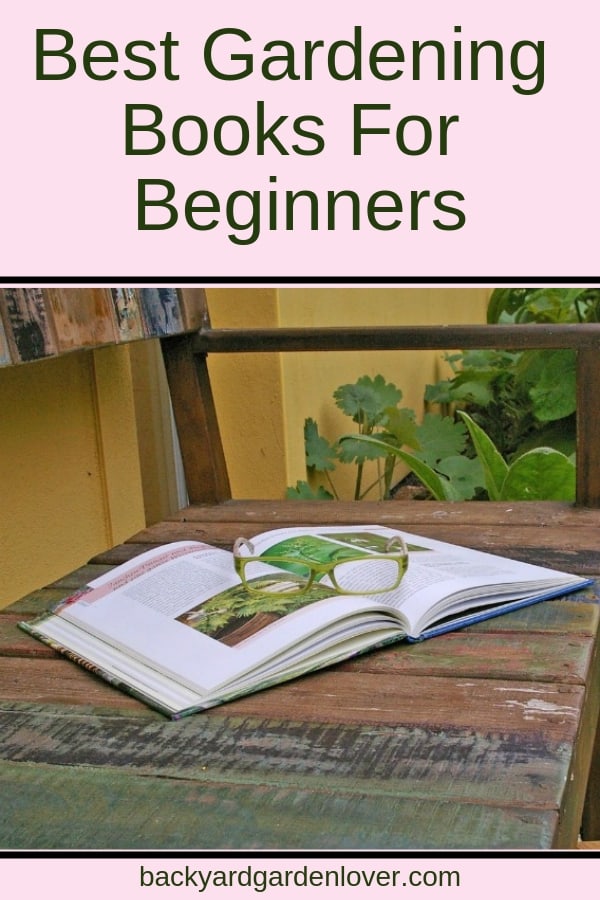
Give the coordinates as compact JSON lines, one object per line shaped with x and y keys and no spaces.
{"x":178,"y":628}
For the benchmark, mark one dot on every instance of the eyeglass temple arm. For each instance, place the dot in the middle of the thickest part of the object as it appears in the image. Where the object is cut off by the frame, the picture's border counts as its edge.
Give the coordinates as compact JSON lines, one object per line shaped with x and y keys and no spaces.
{"x":393,"y":543}
{"x":242,"y":542}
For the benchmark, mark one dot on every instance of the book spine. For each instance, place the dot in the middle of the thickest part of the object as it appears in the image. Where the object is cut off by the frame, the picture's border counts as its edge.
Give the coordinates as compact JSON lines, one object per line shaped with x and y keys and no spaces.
{"x":5,"y":357}
{"x":129,"y":315}
{"x":194,"y":308}
{"x":96,"y":670}
{"x":171,"y":311}
{"x":83,"y":317}
{"x":28,"y":326}
{"x":162,"y":311}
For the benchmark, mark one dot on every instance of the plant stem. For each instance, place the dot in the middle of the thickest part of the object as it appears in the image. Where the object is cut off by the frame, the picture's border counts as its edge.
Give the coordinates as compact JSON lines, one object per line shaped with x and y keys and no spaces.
{"x":359,"y":472}
{"x":331,"y":485}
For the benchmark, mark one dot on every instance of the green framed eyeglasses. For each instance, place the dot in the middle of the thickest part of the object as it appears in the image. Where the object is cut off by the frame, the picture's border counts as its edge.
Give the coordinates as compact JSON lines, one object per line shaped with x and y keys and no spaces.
{"x":359,"y":574}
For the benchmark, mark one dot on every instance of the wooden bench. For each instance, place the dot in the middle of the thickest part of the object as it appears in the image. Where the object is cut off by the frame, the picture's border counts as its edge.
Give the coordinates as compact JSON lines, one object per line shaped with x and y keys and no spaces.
{"x":478,"y":739}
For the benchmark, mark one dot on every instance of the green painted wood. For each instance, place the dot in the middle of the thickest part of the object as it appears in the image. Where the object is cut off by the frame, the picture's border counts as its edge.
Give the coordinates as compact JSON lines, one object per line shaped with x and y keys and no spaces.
{"x":52,"y":807}
{"x":80,"y":576}
{"x":462,"y":764}
{"x":114,"y":556}
{"x":36,"y":602}
{"x":495,"y":723}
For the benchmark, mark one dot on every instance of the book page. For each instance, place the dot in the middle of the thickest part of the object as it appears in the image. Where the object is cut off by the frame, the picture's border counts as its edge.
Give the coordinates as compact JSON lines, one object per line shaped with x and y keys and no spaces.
{"x":182,"y":610}
{"x":440,"y":579}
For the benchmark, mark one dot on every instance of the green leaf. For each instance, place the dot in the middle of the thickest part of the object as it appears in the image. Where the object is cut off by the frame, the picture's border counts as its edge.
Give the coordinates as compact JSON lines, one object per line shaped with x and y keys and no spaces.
{"x":437,"y":486}
{"x":401,"y":425}
{"x":464,"y":474}
{"x":474,"y":390}
{"x":504,"y":303}
{"x":320,"y":454}
{"x":439,"y":437}
{"x":559,"y":435}
{"x":367,"y":400}
{"x":494,"y":467}
{"x":353,"y":449}
{"x":553,"y":395}
{"x":303,"y":491}
{"x":440,"y":392}
{"x":540,"y":474}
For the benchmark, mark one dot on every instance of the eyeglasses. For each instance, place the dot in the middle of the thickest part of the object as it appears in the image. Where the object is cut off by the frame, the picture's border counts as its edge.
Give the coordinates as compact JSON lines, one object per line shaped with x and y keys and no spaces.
{"x":358,"y":573}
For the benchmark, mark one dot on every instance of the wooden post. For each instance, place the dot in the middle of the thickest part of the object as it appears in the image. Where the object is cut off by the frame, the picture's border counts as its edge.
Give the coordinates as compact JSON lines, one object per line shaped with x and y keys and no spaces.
{"x":195,"y":416}
{"x":588,"y":427}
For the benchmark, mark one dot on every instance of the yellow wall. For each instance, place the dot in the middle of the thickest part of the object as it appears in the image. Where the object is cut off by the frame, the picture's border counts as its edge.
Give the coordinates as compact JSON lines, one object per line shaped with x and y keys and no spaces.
{"x":248,"y":394}
{"x":69,"y":471}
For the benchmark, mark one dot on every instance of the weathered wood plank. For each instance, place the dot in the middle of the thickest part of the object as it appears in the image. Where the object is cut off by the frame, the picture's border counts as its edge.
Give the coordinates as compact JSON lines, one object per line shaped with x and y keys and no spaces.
{"x":114,"y":556}
{"x":352,"y":698}
{"x":590,"y":826}
{"x":15,"y":642}
{"x":574,"y":550}
{"x":206,"y":474}
{"x":468,"y":514}
{"x":578,"y":615}
{"x":58,"y":681}
{"x":166,"y":813}
{"x":36,"y":602}
{"x":575,"y":544}
{"x":402,"y":702}
{"x":460,"y":764}
{"x":341,"y":697}
{"x":523,"y":655}
{"x":586,"y":767}
{"x":588,"y":428}
{"x":78,"y":577}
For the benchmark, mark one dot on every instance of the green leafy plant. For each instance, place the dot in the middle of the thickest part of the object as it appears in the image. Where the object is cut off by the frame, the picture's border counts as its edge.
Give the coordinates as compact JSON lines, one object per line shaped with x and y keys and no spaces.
{"x":542,"y":473}
{"x":544,"y":305}
{"x":521,"y":404}
{"x":384,"y":431}
{"x":521,"y":400}
{"x":373,"y":404}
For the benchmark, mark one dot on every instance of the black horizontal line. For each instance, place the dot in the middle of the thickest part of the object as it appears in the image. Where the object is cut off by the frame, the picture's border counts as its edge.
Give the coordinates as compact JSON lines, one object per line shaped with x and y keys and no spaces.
{"x":117,"y":280}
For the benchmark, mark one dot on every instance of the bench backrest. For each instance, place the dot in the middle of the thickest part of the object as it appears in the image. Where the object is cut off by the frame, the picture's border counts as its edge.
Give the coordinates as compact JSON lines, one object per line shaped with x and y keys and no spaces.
{"x":194,"y":410}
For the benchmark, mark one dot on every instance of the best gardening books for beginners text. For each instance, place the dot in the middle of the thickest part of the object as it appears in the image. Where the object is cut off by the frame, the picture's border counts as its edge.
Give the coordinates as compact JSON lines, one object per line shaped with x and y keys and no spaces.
{"x":177,"y":628}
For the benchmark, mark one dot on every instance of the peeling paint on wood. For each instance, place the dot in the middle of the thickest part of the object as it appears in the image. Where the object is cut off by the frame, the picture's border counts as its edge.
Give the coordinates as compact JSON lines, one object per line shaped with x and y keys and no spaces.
{"x":478,"y":739}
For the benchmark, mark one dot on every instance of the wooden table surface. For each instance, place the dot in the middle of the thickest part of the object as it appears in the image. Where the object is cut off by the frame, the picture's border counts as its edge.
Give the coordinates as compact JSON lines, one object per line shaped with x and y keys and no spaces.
{"x":476,"y":739}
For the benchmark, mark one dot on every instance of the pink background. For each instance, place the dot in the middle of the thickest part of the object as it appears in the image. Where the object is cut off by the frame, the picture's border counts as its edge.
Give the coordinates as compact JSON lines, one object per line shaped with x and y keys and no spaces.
{"x":492,"y":878}
{"x":527,"y":165}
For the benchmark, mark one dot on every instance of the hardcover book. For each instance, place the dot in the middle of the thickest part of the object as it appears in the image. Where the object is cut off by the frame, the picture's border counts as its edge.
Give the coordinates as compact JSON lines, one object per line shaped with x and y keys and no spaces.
{"x":187,"y":626}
